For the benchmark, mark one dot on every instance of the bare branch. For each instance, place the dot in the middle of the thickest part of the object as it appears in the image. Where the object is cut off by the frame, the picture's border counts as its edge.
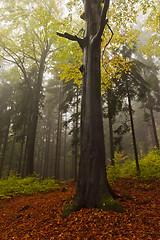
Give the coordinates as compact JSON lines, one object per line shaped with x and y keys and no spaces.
{"x":7,"y":59}
{"x":72,"y":38}
{"x":106,"y":46}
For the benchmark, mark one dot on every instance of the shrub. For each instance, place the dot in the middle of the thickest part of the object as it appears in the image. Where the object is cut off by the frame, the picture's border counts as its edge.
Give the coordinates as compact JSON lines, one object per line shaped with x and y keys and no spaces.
{"x":29,"y":185}
{"x":149,"y":167}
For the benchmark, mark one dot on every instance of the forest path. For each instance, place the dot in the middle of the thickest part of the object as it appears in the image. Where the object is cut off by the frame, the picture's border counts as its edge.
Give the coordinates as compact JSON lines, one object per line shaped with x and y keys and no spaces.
{"x":40,"y":216}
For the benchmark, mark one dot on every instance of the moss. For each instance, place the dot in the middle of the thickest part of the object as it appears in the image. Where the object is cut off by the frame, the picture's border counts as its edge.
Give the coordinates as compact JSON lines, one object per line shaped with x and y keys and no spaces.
{"x":69,"y":207}
{"x":112,"y":205}
{"x":107,"y":205}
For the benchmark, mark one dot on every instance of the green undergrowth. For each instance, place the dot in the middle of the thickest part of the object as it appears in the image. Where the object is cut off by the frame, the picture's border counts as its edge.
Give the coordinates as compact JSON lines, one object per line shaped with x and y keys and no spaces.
{"x":29,"y":185}
{"x":125,"y":167}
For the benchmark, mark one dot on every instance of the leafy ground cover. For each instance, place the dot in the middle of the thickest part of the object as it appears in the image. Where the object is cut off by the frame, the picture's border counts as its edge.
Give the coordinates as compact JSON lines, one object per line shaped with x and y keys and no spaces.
{"x":29,"y":185}
{"x":39,"y":216}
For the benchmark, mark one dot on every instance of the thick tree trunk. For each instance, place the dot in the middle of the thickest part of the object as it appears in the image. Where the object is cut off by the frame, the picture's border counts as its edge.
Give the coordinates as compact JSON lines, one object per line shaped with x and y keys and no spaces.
{"x":92,"y":188}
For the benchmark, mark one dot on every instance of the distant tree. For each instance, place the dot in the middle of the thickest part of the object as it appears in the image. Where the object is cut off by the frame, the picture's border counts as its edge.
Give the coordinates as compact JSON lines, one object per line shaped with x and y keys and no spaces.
{"x":151,"y":100}
{"x":28,"y":43}
{"x":7,"y":101}
{"x":71,"y":104}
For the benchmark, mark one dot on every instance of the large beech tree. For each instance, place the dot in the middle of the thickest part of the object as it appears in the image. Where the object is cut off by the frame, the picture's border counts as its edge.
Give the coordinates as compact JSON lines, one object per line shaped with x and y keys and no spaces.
{"x":93,"y":189}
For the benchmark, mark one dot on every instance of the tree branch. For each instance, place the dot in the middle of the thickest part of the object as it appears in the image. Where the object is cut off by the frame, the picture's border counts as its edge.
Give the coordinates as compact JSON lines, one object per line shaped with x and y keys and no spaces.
{"x":7,"y":59}
{"x":106,"y":46}
{"x":103,"y":20}
{"x":72,"y":38}
{"x":17,"y":61}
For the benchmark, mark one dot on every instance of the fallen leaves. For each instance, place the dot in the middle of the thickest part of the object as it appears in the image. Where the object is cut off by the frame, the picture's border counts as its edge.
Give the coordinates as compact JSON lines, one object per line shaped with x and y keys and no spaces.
{"x":40,"y":216}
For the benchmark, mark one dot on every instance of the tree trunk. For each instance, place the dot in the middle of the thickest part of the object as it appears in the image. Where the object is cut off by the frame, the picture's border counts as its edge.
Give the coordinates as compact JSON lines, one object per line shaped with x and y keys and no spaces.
{"x":11,"y":157}
{"x":21,"y":150}
{"x":76,"y":134}
{"x":58,"y":141}
{"x":65,"y":150}
{"x":154,"y":129}
{"x":75,"y":141}
{"x":133,"y":131}
{"x":47,"y":146}
{"x":4,"y":147}
{"x":21,"y":156}
{"x":34,"y":115}
{"x":110,"y":127}
{"x":93,"y":190}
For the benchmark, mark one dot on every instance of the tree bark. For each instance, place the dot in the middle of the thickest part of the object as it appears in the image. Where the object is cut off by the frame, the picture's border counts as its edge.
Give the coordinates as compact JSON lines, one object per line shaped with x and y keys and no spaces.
{"x":34,"y":115}
{"x":110,"y":127}
{"x":11,"y":157}
{"x":47,"y":147}
{"x":93,"y":190}
{"x":58,"y":140}
{"x":76,"y":134}
{"x":154,"y":129}
{"x":21,"y":150}
{"x":133,"y":131}
{"x":65,"y":150}
{"x":4,"y":147}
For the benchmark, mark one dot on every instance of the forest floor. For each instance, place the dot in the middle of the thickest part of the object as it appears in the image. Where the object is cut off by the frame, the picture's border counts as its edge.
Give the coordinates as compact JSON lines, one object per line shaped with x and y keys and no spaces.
{"x":40,"y":216}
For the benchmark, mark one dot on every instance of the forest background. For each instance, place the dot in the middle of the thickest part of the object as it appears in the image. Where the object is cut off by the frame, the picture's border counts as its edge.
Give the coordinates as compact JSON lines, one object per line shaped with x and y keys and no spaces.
{"x":40,"y":85}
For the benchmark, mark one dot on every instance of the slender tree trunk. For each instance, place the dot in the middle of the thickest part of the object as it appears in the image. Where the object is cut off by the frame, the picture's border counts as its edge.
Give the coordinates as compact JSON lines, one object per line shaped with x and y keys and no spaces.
{"x":47,"y":147}
{"x":76,"y":135}
{"x":11,"y":157}
{"x":133,"y":131}
{"x":154,"y":128}
{"x":1,"y":139}
{"x":34,"y":115}
{"x":58,"y":141}
{"x":53,"y":154}
{"x":4,"y":148}
{"x":75,"y":138}
{"x":24,"y":159}
{"x":65,"y":150}
{"x":39,"y":163}
{"x":21,"y":156}
{"x":42,"y":154}
{"x":110,"y":127}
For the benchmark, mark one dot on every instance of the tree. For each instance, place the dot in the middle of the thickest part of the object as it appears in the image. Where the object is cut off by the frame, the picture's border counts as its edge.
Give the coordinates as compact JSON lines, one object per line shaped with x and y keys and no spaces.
{"x":93,"y":188}
{"x":151,"y":100}
{"x":28,"y":43}
{"x":7,"y":102}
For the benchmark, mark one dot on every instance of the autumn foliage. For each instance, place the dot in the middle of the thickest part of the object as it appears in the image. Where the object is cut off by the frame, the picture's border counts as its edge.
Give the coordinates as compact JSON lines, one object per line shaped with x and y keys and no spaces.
{"x":40,"y":216}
